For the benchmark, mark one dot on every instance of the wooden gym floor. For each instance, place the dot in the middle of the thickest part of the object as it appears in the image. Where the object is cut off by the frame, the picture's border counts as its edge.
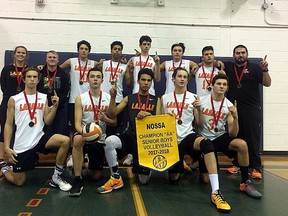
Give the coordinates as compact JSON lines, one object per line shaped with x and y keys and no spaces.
{"x":157,"y":198}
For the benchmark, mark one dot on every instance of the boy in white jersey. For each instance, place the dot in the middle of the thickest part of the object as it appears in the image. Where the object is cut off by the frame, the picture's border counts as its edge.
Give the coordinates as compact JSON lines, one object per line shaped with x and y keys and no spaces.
{"x":186,"y":108}
{"x":114,"y":71}
{"x":206,"y":72}
{"x":79,"y":68}
{"x":29,"y":109}
{"x":90,"y":106}
{"x":144,"y":60}
{"x":177,"y":52}
{"x":219,"y":111}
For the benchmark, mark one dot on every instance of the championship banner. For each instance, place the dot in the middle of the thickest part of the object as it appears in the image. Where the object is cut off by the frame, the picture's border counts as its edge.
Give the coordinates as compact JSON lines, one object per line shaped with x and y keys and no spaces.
{"x":157,"y":142}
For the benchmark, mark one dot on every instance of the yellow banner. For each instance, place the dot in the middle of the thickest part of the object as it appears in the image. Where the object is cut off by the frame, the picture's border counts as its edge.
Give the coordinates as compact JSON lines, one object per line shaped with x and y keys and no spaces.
{"x":157,"y":142}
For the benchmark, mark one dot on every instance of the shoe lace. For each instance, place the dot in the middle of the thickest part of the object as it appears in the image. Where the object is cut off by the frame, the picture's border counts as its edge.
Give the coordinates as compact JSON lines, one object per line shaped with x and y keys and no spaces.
{"x":219,"y":198}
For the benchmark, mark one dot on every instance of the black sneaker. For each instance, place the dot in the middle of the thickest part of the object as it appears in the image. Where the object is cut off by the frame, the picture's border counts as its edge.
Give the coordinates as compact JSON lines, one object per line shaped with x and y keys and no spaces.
{"x":76,"y":188}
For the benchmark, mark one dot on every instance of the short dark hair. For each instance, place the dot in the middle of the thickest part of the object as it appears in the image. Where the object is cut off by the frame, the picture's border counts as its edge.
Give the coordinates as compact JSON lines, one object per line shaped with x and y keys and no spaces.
{"x":178,"y":69}
{"x":182,"y":45}
{"x":147,"y":71}
{"x":95,"y":69}
{"x":83,"y":42}
{"x":220,"y":76}
{"x":116,"y":43}
{"x":23,"y":47}
{"x":32,"y":68}
{"x":206,"y":48}
{"x":145,"y":38}
{"x":240,"y":46}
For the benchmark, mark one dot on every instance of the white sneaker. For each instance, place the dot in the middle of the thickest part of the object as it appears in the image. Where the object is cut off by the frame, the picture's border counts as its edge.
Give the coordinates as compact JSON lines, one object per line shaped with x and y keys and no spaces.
{"x":58,"y":181}
{"x":69,"y":161}
{"x":129,"y":160}
{"x":5,"y":168}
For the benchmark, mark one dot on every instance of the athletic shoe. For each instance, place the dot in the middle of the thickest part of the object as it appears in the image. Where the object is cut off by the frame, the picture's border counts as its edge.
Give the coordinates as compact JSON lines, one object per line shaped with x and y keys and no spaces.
{"x":218,"y":200}
{"x":5,"y":167}
{"x":248,"y":188}
{"x":77,"y":187}
{"x":111,"y":184}
{"x":255,"y":174}
{"x":187,"y":168}
{"x":233,"y":169}
{"x":144,"y":178}
{"x":194,"y":165}
{"x":58,"y":182}
{"x":129,"y":160}
{"x":69,"y":161}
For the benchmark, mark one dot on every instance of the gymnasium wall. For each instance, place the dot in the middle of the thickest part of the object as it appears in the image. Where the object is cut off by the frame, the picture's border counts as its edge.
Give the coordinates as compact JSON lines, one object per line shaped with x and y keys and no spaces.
{"x":59,"y":25}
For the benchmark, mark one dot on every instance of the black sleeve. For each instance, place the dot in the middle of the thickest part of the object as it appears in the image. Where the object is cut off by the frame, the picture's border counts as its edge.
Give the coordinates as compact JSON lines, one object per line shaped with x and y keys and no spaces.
{"x":65,"y":88}
{"x":3,"y":80}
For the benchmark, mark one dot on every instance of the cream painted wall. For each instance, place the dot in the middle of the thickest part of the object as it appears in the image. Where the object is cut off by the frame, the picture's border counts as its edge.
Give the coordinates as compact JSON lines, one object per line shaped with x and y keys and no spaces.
{"x":59,"y":25}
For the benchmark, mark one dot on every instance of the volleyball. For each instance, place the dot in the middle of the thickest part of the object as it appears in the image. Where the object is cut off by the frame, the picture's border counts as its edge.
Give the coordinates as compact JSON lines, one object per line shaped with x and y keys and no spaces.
{"x":92,"y":132}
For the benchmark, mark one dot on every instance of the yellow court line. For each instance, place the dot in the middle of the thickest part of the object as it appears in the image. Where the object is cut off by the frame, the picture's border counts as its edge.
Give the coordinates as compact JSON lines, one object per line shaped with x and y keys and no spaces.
{"x":137,"y":197}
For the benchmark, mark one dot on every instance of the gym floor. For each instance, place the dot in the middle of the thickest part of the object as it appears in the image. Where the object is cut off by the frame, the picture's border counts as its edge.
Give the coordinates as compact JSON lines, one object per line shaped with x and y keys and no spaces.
{"x":157,"y":198}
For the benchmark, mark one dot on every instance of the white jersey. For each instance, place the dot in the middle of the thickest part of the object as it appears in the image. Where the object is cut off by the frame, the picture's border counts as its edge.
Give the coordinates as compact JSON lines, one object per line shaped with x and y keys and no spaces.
{"x":169,"y":69}
{"x":150,"y":64}
{"x":76,"y":88}
{"x":187,"y":117}
{"x":106,"y":85}
{"x":208,"y":130}
{"x":27,"y":137}
{"x":88,"y":113}
{"x":203,"y":84}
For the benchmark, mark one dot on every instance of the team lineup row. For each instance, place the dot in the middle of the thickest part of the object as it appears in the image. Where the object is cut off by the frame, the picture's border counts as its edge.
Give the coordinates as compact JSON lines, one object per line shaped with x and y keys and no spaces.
{"x":106,"y":77}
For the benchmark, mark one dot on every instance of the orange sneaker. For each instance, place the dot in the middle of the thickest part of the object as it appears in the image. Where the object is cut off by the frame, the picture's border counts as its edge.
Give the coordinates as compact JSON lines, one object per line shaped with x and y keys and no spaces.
{"x":111,"y":184}
{"x":233,"y":169}
{"x":255,"y":174}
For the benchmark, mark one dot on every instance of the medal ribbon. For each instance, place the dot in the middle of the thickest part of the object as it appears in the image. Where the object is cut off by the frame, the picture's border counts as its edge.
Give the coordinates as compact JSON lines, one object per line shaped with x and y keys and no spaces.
{"x":51,"y":80}
{"x":216,"y":118}
{"x":145,"y":62}
{"x":31,"y":113}
{"x":113,"y":74}
{"x":242,"y":72}
{"x":146,"y":103}
{"x":80,"y":70}
{"x":179,"y":111}
{"x":93,"y":106}
{"x":19,"y":76}
{"x":178,"y":66}
{"x":211,"y":77}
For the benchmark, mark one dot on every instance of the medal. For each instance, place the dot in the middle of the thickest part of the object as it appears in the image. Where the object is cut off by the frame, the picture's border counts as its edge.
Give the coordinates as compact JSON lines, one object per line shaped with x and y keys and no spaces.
{"x":239,"y":78}
{"x":19,"y":76}
{"x":49,"y":90}
{"x":80,"y":71}
{"x":209,"y":88}
{"x":96,"y":109}
{"x":18,"y":89}
{"x":216,"y":114}
{"x":179,"y":109}
{"x":206,"y":76}
{"x":31,"y":124}
{"x":113,"y":73}
{"x":112,"y":83}
{"x":141,"y":104}
{"x":239,"y":85}
{"x":144,"y":63}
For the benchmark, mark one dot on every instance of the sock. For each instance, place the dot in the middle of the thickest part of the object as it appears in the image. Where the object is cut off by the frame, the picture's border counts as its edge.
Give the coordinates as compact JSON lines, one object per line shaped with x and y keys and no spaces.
{"x":58,"y":169}
{"x":214,"y":182}
{"x":115,"y":172}
{"x":244,"y":174}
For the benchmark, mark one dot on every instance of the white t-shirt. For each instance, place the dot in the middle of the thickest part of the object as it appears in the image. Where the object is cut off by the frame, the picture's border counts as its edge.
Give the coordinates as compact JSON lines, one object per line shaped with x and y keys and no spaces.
{"x":208,"y":130}
{"x":150,"y":64}
{"x":106,"y":85}
{"x":169,"y":69}
{"x":88,"y":113}
{"x":27,"y":137}
{"x":203,"y":84}
{"x":76,"y":88}
{"x":187,"y":117}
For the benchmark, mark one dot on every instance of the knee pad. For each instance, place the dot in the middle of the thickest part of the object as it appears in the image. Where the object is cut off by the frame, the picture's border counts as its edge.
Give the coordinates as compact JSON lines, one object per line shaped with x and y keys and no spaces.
{"x":206,"y":146}
{"x":113,"y":142}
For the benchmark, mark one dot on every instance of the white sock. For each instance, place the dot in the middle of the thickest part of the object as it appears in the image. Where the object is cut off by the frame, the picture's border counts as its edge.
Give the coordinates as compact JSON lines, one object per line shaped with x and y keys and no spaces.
{"x":214,"y":182}
{"x":58,"y":169}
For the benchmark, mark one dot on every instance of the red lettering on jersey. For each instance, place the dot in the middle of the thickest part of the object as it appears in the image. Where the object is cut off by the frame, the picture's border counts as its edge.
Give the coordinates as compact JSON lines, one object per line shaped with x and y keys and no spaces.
{"x":209,"y":112}
{"x":203,"y":75}
{"x":149,"y":64}
{"x":88,"y":108}
{"x":107,"y":69}
{"x":173,"y":105}
{"x":135,"y":106}
{"x":24,"y":107}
